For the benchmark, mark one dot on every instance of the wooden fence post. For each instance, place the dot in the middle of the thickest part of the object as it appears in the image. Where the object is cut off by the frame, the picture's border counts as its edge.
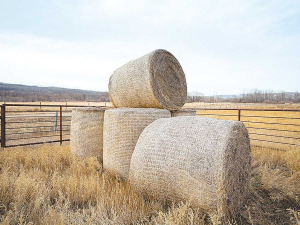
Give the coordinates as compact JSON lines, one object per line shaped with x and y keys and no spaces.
{"x":3,"y":126}
{"x":239,"y":115}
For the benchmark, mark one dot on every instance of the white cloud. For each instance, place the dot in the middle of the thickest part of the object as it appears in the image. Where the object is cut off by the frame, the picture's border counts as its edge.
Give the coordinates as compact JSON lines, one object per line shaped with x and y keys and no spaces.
{"x":43,"y":61}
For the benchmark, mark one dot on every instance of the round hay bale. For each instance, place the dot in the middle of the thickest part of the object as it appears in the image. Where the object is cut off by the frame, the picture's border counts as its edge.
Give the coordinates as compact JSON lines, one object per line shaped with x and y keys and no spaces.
{"x":202,"y":160}
{"x":184,"y":112}
{"x":122,"y":128}
{"x":87,"y":132}
{"x":155,"y":80}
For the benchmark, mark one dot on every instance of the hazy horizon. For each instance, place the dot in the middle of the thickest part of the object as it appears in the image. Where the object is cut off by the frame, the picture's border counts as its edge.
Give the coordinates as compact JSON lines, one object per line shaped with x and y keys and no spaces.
{"x":189,"y":93}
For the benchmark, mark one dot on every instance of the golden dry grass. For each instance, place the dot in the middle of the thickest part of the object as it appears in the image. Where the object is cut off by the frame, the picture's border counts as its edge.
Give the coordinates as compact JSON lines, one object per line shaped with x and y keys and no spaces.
{"x":47,"y":185}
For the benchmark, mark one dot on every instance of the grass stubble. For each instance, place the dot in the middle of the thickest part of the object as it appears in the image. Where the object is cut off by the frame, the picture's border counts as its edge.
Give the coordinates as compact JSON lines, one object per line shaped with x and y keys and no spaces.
{"x":46,"y":184}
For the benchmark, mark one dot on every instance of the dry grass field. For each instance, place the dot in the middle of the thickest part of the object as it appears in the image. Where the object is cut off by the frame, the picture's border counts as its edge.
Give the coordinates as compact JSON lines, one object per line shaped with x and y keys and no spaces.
{"x":47,"y":185}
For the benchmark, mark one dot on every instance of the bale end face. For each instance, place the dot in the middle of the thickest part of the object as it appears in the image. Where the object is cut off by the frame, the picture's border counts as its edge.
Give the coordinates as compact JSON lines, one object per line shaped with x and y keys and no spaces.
{"x":168,"y":80}
{"x":235,"y":178}
{"x":87,"y":131}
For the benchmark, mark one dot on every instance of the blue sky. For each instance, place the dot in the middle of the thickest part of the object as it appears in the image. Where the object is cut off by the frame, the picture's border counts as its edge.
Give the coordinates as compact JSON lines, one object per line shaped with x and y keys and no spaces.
{"x":225,"y":47}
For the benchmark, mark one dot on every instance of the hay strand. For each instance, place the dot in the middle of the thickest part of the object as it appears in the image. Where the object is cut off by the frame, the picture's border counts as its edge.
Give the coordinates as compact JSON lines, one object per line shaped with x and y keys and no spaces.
{"x":87,"y":132}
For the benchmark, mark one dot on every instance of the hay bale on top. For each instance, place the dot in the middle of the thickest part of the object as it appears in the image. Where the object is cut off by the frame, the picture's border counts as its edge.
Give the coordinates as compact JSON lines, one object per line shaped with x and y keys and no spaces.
{"x":155,"y":80}
{"x":184,"y":112}
{"x":203,"y":160}
{"x":122,"y":128}
{"x":87,"y":132}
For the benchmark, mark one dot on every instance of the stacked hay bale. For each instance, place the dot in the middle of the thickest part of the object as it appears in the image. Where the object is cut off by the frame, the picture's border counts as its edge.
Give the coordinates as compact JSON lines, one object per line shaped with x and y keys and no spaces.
{"x":204,"y":160}
{"x":184,"y":112}
{"x":147,"y":86}
{"x":87,"y":132}
{"x":122,"y":128}
{"x":155,"y":80}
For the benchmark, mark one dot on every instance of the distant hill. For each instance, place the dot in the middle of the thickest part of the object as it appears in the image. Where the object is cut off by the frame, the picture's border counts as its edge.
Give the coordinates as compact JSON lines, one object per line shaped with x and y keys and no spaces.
{"x":24,"y":93}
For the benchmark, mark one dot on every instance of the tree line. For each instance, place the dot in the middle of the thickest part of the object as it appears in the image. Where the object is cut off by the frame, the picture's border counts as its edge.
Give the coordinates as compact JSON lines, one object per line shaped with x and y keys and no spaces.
{"x":253,"y":96}
{"x":268,"y":96}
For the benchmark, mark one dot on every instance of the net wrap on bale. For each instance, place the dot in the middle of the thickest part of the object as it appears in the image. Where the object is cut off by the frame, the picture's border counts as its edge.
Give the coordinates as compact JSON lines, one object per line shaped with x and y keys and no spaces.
{"x":202,"y":160}
{"x":87,"y":132}
{"x":155,"y":80}
{"x":122,"y":128}
{"x":184,"y":112}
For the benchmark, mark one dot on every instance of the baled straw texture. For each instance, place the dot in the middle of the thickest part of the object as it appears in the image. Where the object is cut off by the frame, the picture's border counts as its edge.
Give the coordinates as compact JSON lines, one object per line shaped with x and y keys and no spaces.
{"x":155,"y":80}
{"x":122,"y":128}
{"x":202,"y":160}
{"x":87,"y":132}
{"x":183,"y":112}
